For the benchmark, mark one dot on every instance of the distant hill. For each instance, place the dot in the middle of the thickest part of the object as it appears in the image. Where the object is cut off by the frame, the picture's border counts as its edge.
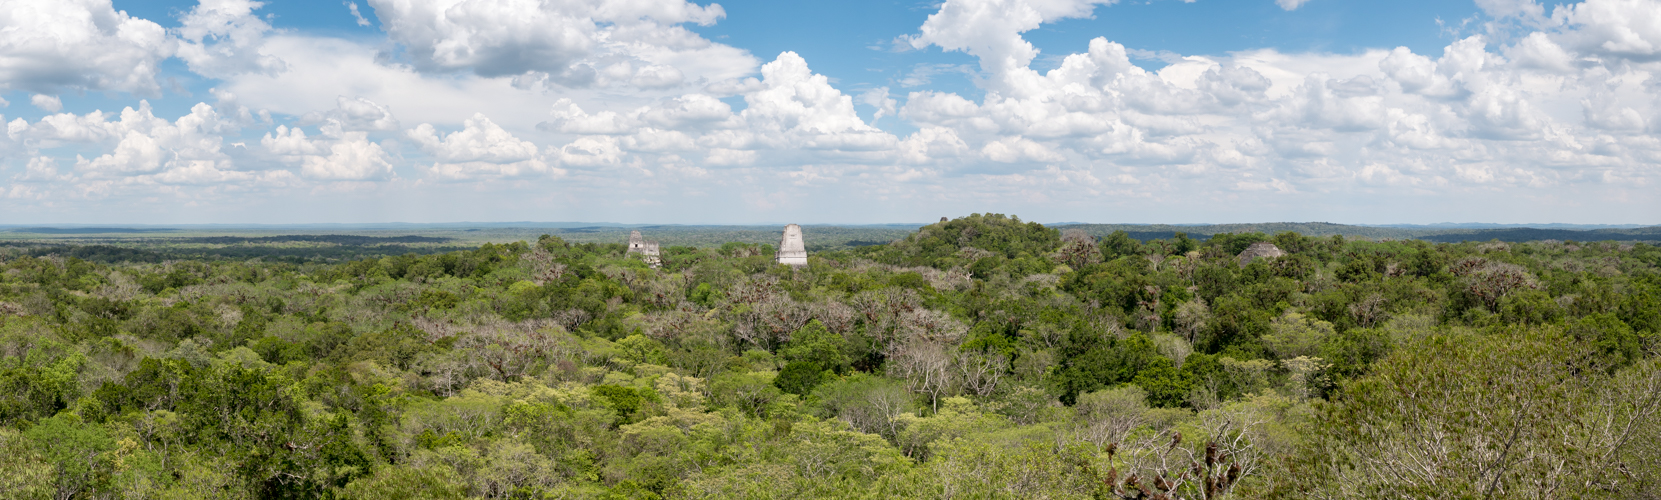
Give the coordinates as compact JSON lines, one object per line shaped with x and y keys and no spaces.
{"x":1652,"y":233}
{"x":819,"y":237}
{"x":1489,"y":225}
{"x":1152,"y":231}
{"x":89,"y":230}
{"x":1147,"y":232}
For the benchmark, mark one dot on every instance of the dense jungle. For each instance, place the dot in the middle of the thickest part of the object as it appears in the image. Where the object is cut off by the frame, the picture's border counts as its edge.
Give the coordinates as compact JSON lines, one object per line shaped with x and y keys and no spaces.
{"x":980,"y":357}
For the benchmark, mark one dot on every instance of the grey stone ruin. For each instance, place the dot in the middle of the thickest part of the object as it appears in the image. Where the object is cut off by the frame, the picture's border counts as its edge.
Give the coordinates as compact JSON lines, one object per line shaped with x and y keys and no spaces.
{"x":792,"y":249}
{"x":1260,"y":250}
{"x":646,"y":249}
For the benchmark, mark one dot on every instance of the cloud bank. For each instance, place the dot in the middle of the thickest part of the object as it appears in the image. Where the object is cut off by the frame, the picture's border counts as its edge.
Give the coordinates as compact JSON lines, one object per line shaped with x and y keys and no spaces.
{"x":595,"y":108}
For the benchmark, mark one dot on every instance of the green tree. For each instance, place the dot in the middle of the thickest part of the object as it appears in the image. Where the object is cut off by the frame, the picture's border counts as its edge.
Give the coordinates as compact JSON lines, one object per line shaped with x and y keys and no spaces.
{"x":799,"y":377}
{"x":78,"y":452}
{"x":813,"y":343}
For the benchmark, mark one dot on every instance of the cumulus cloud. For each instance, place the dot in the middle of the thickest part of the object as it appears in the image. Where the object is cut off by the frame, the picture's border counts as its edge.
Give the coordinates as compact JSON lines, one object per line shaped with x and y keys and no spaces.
{"x":571,"y":44}
{"x":352,"y":114}
{"x":141,"y":142}
{"x":351,"y":158}
{"x":1628,"y":29}
{"x":479,"y":149}
{"x":346,"y":156}
{"x":789,"y":110}
{"x":1018,"y":149}
{"x":796,"y":107}
{"x":40,"y":169}
{"x":143,"y":152}
{"x":1292,"y":123}
{"x":144,"y":149}
{"x":878,"y":98}
{"x":48,"y":45}
{"x":1565,"y":102}
{"x":991,"y":31}
{"x":47,"y":103}
{"x":219,"y":38}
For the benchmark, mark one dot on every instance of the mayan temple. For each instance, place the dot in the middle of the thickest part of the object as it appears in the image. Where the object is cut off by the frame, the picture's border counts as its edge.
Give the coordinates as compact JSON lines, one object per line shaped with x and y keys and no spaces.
{"x":792,"y":249}
{"x":646,"y":249}
{"x":1261,"y":250}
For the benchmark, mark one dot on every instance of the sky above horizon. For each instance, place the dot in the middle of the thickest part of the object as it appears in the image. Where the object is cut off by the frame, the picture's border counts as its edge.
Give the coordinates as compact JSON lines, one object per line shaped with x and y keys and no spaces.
{"x":864,"y":111}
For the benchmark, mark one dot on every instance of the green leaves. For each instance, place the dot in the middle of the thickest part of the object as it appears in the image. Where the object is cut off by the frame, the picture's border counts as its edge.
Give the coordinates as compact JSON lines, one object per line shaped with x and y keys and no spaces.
{"x":639,"y":349}
{"x":799,"y":377}
{"x":625,"y":401}
{"x":816,"y":345}
{"x":78,"y":452}
{"x":1467,"y":414}
{"x":570,"y":370}
{"x":40,"y":382}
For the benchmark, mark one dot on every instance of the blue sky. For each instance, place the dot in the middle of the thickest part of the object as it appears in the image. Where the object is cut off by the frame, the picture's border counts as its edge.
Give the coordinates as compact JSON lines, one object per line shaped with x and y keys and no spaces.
{"x":667,"y":111}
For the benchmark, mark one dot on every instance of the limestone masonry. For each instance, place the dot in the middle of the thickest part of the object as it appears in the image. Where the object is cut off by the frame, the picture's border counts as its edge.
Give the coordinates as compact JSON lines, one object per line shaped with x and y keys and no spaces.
{"x":792,"y":250}
{"x":1260,"y":250}
{"x":647,"y":249}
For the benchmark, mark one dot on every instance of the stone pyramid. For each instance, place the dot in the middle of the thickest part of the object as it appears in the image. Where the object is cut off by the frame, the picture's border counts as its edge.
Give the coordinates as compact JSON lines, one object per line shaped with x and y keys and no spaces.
{"x":792,"y":248}
{"x":1261,"y":250}
{"x":647,"y":249}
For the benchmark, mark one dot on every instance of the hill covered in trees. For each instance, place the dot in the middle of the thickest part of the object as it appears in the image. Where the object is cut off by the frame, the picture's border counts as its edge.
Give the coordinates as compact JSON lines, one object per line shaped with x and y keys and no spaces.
{"x":1147,"y":232}
{"x":981,"y":357}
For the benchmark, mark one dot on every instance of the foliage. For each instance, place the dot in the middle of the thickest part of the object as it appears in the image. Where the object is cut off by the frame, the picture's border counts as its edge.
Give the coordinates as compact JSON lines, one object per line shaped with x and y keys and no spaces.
{"x":981,"y":357}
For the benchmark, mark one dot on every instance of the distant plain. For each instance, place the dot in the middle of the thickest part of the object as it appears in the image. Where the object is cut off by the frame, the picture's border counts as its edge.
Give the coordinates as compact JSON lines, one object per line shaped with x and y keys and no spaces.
{"x":337,"y":242}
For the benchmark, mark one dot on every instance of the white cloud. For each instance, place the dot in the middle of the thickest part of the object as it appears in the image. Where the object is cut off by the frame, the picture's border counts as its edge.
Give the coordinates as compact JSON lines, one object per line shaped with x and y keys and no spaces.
{"x":878,"y":98}
{"x":354,"y":114}
{"x":598,"y":151}
{"x":292,"y":142}
{"x":571,"y":44}
{"x":653,"y":140}
{"x":480,"y":149}
{"x":47,"y":103}
{"x":932,"y":144}
{"x":136,"y":153}
{"x":323,"y":69}
{"x":1017,"y":149}
{"x":991,"y":31}
{"x":797,"y":108}
{"x":40,"y":169}
{"x":1542,"y":105}
{"x":723,"y":157}
{"x":353,"y":158}
{"x":1290,"y":4}
{"x":49,"y":45}
{"x":691,"y":111}
{"x":141,"y":142}
{"x":220,"y":38}
{"x":1313,"y":116}
{"x":342,"y":156}
{"x":571,"y":119}
{"x":145,"y":153}
{"x":149,"y":145}
{"x":1538,"y":51}
{"x":1617,"y":28}
{"x":353,"y":6}
{"x":1526,"y":9}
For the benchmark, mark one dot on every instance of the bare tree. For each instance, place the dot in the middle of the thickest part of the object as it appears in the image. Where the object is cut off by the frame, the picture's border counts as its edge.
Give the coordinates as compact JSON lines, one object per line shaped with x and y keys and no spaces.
{"x":980,"y":372}
{"x":927,"y":369}
{"x":1370,"y":311}
{"x":1078,"y":249}
{"x":1106,"y":417}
